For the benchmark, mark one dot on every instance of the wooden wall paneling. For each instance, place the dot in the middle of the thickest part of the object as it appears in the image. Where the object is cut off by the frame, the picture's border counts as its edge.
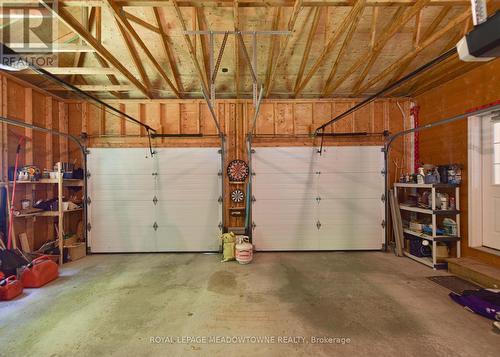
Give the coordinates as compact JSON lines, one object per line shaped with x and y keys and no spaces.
{"x":190,"y":118}
{"x":378,"y":116}
{"x":265,"y":120}
{"x":363,"y":119}
{"x":31,"y":144}
{"x":207,"y":125}
{"x":172,"y":118}
{"x":55,"y":138}
{"x":129,"y":127}
{"x":74,"y":127}
{"x":303,"y":118}
{"x":283,"y":119}
{"x":49,"y":163}
{"x":63,"y":126}
{"x":344,"y":125}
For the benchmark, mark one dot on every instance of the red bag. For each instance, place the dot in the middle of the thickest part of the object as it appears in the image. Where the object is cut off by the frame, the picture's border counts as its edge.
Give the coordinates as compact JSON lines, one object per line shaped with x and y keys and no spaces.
{"x":10,"y":288}
{"x":2,"y":275}
{"x":39,"y":272}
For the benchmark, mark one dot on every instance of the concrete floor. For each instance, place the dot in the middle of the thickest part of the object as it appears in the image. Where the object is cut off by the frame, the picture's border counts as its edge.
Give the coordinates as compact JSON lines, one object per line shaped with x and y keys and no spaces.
{"x":114,"y":304}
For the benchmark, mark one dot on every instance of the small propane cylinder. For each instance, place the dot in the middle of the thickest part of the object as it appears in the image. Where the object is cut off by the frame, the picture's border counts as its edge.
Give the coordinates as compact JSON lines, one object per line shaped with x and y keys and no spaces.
{"x":244,"y":250}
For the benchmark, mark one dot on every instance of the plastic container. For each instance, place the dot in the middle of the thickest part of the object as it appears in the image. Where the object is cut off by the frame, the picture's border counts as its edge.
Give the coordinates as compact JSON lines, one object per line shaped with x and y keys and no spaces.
{"x":244,"y":250}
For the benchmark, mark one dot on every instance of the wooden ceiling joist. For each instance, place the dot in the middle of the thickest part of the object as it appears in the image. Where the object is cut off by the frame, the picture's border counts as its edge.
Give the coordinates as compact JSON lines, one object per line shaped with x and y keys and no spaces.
{"x":74,"y":25}
{"x":297,"y":6}
{"x":97,"y":88}
{"x":351,"y":17}
{"x":274,"y":41}
{"x":81,"y":71}
{"x":122,"y":20}
{"x":305,"y":56}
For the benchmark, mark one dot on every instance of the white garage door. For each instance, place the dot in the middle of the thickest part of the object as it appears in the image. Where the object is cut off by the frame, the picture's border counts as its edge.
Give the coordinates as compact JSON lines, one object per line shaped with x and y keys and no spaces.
{"x":165,"y":203}
{"x":307,"y":201}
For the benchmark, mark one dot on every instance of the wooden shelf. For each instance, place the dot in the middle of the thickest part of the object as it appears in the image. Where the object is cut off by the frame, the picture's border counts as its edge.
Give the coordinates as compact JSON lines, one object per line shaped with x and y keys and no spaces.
{"x":237,"y":182}
{"x":443,"y":238}
{"x":66,"y":182}
{"x":46,"y":213}
{"x":425,"y":260}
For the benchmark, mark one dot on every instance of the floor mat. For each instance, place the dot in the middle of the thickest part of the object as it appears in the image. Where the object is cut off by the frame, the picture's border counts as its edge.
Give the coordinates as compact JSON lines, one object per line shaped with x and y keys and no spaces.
{"x":454,"y":283}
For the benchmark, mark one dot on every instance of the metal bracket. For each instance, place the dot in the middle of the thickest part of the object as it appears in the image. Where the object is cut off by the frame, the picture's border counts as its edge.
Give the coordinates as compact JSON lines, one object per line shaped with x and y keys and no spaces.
{"x":155,"y":200}
{"x":220,"y":199}
{"x":87,"y":152}
{"x":220,"y":226}
{"x":382,"y":172}
{"x":253,"y":225}
{"x":155,"y":226}
{"x":318,"y":172}
{"x":253,"y":198}
{"x":88,"y":200}
{"x":89,"y":226}
{"x":154,"y":174}
{"x":88,"y":174}
{"x":383,"y":223}
{"x":382,"y":198}
{"x":318,"y":225}
{"x":219,"y":151}
{"x":219,"y":173}
{"x":252,"y":151}
{"x":318,"y":199}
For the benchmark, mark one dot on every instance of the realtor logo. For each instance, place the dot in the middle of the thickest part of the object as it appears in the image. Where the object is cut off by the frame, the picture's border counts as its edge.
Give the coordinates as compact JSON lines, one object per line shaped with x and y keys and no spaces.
{"x":28,"y":32}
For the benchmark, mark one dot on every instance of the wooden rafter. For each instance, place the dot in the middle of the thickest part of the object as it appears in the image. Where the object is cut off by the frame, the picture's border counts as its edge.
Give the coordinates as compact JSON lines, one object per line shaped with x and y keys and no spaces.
{"x":75,"y":26}
{"x":417,"y":30}
{"x":96,"y":88}
{"x":297,"y":6}
{"x":345,"y":43}
{"x":344,"y":25}
{"x":80,"y":70}
{"x":129,"y":44}
{"x":400,"y":19}
{"x":122,"y":20}
{"x":141,"y":22}
{"x":312,"y":32}
{"x":398,"y":22}
{"x":424,"y":44}
{"x":187,"y":39}
{"x":274,"y":42}
{"x":166,"y":48}
{"x":373,"y":27}
{"x":204,"y":47}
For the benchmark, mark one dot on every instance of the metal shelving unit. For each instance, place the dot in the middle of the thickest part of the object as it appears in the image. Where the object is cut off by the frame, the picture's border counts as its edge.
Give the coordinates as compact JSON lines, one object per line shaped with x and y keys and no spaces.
{"x":434,"y":212}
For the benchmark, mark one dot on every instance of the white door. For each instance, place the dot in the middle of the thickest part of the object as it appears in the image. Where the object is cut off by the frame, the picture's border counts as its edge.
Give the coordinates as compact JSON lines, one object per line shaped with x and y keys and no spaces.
{"x":307,"y":201}
{"x":165,"y":203}
{"x":491,"y":183}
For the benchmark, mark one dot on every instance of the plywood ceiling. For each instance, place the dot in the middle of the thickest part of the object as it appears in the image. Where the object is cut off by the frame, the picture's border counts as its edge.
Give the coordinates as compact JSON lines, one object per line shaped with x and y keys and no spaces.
{"x":337,"y":48}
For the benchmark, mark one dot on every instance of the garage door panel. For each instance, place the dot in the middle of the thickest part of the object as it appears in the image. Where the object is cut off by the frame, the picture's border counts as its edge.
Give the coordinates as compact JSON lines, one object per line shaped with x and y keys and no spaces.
{"x":290,"y":212}
{"x":285,"y":237}
{"x":351,"y":211}
{"x":185,"y":161}
{"x":351,"y":159}
{"x":187,"y":238}
{"x":186,"y":187}
{"x":278,"y":186}
{"x":128,"y":238}
{"x":286,"y":186}
{"x":270,"y":160}
{"x":122,"y":187}
{"x":188,"y":213}
{"x":350,"y":237}
{"x":352,"y":185}
{"x":114,"y":162}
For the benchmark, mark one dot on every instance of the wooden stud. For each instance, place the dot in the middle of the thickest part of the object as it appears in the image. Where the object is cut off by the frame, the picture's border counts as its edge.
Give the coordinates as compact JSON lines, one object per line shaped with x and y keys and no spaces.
{"x":373,"y":27}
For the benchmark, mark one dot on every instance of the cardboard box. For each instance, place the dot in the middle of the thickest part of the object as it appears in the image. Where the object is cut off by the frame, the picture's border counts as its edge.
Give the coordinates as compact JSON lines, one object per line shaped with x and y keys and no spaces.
{"x":77,"y":251}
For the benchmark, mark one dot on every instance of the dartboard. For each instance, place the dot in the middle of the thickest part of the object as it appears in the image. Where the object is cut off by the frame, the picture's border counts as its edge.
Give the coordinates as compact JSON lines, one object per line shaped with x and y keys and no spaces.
{"x":237,"y":170}
{"x":237,"y":196}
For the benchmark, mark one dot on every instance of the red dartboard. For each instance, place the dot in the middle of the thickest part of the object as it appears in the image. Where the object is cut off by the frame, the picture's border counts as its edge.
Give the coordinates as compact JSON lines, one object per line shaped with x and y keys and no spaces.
{"x":237,"y":170}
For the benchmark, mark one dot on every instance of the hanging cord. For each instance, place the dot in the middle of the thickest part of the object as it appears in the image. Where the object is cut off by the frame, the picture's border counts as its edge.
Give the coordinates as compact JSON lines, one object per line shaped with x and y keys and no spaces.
{"x":320,"y":151}
{"x":11,"y":208}
{"x":151,"y":151}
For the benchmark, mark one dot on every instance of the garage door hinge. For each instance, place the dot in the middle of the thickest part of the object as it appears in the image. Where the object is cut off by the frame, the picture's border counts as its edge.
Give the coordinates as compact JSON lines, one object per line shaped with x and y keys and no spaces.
{"x":383,"y":223}
{"x":88,"y":174}
{"x":318,"y":199}
{"x":318,"y":224}
{"x":88,"y":200}
{"x":220,"y":226}
{"x":219,"y":173}
{"x":155,"y":226}
{"x":89,"y":226}
{"x":252,"y":151}
{"x":220,"y":199}
{"x":382,"y":172}
{"x":253,"y":225}
{"x":382,"y":198}
{"x":155,"y":200}
{"x":253,"y":198}
{"x":318,"y":172}
{"x":155,"y":174}
{"x":219,"y":151}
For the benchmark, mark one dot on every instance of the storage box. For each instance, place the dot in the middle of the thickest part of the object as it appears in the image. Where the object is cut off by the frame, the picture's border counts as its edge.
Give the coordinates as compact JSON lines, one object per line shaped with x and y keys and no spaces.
{"x":76,"y":251}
